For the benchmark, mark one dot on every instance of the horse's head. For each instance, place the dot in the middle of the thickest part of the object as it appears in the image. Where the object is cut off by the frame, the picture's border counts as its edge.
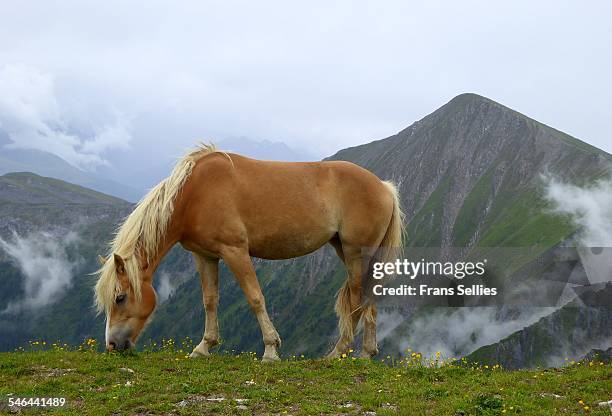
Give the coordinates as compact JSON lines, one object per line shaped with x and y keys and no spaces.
{"x":127,"y":308}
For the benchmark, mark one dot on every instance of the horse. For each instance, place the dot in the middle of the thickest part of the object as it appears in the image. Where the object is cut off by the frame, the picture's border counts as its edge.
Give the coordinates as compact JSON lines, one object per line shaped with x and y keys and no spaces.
{"x":224,"y":206}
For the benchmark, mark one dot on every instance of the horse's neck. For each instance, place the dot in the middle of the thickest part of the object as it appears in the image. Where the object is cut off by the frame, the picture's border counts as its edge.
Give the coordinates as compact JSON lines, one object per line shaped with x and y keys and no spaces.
{"x":166,"y":243}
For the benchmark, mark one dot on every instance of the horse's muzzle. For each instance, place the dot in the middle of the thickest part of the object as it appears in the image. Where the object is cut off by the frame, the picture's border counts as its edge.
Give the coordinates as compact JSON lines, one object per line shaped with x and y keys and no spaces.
{"x":119,"y":346}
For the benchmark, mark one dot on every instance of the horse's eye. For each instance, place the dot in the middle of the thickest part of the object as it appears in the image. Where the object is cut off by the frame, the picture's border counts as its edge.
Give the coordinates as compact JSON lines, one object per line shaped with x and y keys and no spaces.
{"x":120,"y":299}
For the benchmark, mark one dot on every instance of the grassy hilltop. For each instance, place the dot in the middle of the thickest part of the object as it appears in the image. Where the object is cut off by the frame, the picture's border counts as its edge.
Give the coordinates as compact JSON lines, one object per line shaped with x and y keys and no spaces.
{"x":167,"y":382}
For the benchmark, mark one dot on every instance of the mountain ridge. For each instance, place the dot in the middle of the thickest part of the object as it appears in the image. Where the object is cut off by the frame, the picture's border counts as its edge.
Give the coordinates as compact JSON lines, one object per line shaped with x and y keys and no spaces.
{"x":471,"y":138}
{"x":28,"y":187}
{"x":50,"y":165}
{"x":474,"y":97}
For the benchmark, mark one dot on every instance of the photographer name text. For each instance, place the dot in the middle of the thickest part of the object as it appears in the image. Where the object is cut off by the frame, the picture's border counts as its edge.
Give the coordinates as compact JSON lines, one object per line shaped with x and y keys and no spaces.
{"x":413,"y":270}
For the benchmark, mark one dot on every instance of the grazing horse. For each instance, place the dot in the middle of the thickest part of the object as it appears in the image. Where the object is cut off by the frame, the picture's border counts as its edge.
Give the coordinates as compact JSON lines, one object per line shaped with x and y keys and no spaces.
{"x":226,"y":206}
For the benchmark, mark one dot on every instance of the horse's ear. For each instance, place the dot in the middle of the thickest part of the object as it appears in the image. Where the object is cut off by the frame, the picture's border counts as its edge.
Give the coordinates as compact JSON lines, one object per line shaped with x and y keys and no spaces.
{"x":101,"y":260}
{"x":119,"y":264}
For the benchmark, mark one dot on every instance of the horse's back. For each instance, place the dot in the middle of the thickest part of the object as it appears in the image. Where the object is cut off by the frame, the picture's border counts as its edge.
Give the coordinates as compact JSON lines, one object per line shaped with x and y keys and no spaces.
{"x":287,"y":209}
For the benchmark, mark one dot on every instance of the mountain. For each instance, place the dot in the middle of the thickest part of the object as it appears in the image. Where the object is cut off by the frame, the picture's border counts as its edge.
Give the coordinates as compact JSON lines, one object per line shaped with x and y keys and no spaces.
{"x":470,"y":174}
{"x":48,"y":164}
{"x":29,"y":188}
{"x":51,"y":232}
{"x":29,"y":203}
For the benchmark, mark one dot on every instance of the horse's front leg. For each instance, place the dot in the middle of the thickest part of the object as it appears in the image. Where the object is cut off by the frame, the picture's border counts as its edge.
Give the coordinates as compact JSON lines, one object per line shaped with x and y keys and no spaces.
{"x":209,"y":276}
{"x":239,"y":262}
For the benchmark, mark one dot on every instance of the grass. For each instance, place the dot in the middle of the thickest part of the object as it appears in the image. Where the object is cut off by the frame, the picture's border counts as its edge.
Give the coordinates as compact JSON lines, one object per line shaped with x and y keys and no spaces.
{"x":167,"y":382}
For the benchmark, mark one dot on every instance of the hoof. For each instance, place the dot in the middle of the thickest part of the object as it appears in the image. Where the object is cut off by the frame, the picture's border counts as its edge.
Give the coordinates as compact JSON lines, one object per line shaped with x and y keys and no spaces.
{"x":270,"y":359}
{"x":197,"y":354}
{"x":270,"y":354}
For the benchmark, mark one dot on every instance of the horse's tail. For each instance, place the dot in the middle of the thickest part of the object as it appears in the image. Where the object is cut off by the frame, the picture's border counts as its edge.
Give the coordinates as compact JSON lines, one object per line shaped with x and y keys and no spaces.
{"x":344,"y":312}
{"x":389,"y":249}
{"x":391,"y":244}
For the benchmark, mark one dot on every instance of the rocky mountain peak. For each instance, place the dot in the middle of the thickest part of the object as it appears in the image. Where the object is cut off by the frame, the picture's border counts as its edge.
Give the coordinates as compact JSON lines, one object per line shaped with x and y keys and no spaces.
{"x":472,"y":157}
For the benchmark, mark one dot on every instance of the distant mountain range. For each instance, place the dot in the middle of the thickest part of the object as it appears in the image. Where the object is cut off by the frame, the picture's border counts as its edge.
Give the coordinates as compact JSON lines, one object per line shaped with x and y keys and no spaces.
{"x":51,"y":232}
{"x":48,"y":164}
{"x":132,"y":181}
{"x":469,"y":176}
{"x":265,"y":150}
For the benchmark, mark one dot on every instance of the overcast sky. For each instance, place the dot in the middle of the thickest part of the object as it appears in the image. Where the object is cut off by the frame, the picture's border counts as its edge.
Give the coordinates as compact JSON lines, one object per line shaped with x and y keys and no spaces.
{"x":104,"y":82}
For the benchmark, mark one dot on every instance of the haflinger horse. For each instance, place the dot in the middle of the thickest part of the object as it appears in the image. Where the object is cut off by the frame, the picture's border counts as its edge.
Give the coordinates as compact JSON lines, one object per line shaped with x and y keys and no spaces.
{"x":223,"y":206}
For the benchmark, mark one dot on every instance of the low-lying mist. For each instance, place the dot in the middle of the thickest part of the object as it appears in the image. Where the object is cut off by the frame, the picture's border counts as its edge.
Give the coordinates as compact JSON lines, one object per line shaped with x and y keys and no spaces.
{"x":589,"y":207}
{"x":460,"y":331}
{"x":42,"y":259}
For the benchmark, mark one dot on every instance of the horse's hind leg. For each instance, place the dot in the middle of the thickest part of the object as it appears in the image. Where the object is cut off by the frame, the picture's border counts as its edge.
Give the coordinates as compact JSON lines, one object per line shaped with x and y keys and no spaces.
{"x":239,"y":262}
{"x":348,"y":304}
{"x":369,"y":348}
{"x":209,"y":276}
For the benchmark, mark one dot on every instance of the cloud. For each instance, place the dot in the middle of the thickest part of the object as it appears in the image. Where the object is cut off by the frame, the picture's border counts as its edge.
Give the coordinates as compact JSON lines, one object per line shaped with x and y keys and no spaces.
{"x":115,"y":136}
{"x":47,"y":272}
{"x":165,"y":288}
{"x":317,"y":77}
{"x":589,"y":207}
{"x":458,"y":332}
{"x":166,"y":282}
{"x":34,"y":119}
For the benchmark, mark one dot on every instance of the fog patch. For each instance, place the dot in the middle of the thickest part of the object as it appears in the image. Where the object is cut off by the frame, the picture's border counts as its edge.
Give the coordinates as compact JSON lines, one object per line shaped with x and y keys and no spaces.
{"x":589,"y":207}
{"x":570,"y":353}
{"x":458,"y":332}
{"x":387,"y":323}
{"x":42,"y":259}
{"x":165,"y":288}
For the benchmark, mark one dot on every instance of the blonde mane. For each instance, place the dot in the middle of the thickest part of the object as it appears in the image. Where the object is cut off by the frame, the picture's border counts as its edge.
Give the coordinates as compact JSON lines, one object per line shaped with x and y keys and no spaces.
{"x":143,"y":230}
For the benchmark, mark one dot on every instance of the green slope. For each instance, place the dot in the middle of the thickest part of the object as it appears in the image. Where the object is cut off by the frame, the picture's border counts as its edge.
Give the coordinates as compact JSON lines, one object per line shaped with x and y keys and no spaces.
{"x":31,"y":188}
